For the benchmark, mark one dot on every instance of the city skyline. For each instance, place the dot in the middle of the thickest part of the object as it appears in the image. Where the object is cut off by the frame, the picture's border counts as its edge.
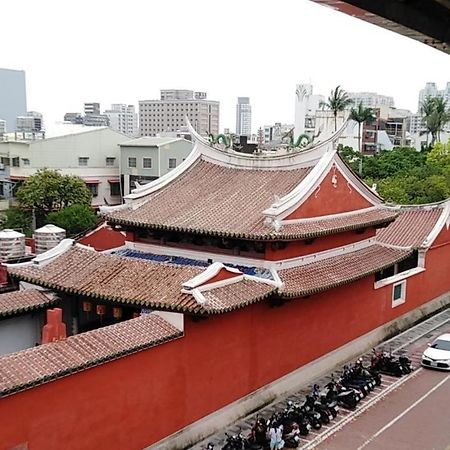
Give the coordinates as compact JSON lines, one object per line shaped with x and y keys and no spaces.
{"x":313,"y":45}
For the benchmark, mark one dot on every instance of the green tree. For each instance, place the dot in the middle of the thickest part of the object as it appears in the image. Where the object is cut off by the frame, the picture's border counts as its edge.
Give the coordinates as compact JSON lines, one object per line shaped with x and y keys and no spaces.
{"x":74,"y":219}
{"x":436,"y":115}
{"x":49,"y":191}
{"x":362,"y":115}
{"x":439,"y":155}
{"x":17,"y":219}
{"x":338,"y":101}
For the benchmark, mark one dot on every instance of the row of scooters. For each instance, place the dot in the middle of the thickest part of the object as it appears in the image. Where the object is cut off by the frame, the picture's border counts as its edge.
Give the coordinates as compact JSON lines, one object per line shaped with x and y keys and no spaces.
{"x":284,"y":429}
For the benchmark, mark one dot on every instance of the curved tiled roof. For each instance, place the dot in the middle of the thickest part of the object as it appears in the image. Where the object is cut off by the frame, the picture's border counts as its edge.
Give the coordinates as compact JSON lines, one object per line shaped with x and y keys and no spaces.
{"x":147,"y":284}
{"x":38,"y":365}
{"x":214,"y":199}
{"x":411,"y":228}
{"x":338,"y":270}
{"x":115,"y":279}
{"x":232,"y":296}
{"x":338,"y":223}
{"x":19,"y":302}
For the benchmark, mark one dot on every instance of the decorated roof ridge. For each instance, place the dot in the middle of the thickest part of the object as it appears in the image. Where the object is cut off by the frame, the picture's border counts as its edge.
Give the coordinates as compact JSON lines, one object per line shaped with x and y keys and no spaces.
{"x":218,"y":276}
{"x":45,"y":363}
{"x":232,"y":159}
{"x":417,"y":225}
{"x":339,"y":270}
{"x":24,"y":301}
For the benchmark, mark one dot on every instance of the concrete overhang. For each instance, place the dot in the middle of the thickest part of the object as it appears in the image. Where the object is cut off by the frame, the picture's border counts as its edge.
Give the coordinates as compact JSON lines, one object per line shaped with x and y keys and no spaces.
{"x":425,"y":21}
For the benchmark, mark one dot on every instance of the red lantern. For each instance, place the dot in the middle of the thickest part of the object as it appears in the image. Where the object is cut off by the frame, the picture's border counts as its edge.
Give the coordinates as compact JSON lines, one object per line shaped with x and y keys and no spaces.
{"x":101,"y":310}
{"x":87,"y":306}
{"x":117,"y":312}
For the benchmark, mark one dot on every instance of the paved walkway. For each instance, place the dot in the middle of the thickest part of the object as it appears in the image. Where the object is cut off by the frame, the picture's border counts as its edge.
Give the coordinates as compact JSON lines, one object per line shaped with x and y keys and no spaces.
{"x":408,"y":342}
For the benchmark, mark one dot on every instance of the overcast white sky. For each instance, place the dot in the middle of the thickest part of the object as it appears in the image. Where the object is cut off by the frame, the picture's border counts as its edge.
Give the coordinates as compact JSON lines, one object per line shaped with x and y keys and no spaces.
{"x":124,"y":51}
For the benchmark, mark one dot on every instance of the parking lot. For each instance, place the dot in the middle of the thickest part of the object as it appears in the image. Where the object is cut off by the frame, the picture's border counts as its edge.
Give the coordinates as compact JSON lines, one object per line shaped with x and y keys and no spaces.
{"x":403,"y":413}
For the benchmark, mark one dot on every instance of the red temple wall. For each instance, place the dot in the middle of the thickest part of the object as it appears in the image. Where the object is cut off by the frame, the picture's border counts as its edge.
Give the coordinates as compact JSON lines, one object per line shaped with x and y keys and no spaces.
{"x":320,"y":244}
{"x":331,"y":200}
{"x":139,"y":399}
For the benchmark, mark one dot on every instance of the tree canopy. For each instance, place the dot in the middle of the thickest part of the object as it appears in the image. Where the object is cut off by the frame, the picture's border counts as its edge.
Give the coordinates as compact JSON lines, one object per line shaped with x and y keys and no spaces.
{"x":49,"y":190}
{"x":404,"y":175}
{"x":74,"y":219}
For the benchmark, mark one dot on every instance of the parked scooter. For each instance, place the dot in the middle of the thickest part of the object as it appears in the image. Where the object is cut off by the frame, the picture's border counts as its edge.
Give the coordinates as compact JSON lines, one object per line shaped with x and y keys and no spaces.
{"x":325,"y":415}
{"x":405,"y":364}
{"x":347,"y":398}
{"x":331,"y":405}
{"x":366,"y":372}
{"x":386,"y":363}
{"x":239,"y":442}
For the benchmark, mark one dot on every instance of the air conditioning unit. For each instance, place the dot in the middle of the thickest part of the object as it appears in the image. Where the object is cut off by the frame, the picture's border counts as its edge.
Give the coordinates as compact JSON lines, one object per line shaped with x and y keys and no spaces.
{"x":2,"y":166}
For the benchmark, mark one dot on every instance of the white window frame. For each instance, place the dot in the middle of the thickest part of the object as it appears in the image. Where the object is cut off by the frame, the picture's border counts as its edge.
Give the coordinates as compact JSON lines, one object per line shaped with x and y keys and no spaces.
{"x":85,"y":159}
{"x":143,"y":163}
{"x":110,"y":161}
{"x":402,"y":298}
{"x":135,"y":162}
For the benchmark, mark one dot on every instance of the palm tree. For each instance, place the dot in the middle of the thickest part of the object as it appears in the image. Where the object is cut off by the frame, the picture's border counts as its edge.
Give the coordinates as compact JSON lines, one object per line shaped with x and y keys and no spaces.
{"x":435,"y":116}
{"x":362,"y":115}
{"x":338,"y":101}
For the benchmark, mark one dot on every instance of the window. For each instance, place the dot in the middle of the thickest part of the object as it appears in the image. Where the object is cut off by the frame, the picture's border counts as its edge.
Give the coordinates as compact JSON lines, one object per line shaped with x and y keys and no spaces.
{"x":115,"y":189}
{"x":26,"y":161}
{"x":93,"y":188}
{"x":398,"y":293}
{"x":110,"y":161}
{"x":172,"y":163}
{"x":147,"y":163}
{"x":83,"y":161}
{"x":15,"y":162}
{"x":132,"y":162}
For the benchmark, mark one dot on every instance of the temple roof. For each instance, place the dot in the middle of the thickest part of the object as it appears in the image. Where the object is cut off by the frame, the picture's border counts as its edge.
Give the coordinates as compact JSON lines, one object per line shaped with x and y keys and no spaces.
{"x":38,"y":365}
{"x":338,"y":270}
{"x":309,"y":228}
{"x":215,"y":199}
{"x":414,"y":227}
{"x":142,"y":283}
{"x":20,"y":302}
{"x":220,"y":192}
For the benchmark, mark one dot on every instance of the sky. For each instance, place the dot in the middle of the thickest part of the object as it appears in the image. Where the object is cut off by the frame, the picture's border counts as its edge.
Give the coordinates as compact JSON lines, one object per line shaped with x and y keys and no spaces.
{"x":126,"y":51}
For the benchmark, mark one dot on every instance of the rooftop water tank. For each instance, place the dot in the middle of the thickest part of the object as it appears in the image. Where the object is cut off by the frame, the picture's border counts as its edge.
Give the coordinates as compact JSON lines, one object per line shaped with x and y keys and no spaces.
{"x":47,"y":237}
{"x":12,"y":245}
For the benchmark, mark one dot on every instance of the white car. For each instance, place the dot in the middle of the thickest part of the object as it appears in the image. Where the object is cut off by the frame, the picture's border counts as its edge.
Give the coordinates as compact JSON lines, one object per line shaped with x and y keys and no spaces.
{"x":437,"y":355}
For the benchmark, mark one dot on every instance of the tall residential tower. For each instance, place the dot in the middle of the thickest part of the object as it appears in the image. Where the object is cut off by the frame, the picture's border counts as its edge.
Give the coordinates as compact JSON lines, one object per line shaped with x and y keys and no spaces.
{"x":168,"y":114}
{"x":13,"y":97}
{"x":244,"y":117}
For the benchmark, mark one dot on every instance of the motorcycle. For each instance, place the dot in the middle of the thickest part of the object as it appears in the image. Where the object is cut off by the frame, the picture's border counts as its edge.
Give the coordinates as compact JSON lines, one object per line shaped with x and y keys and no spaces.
{"x":325,"y":415}
{"x":405,"y":364}
{"x":386,"y":364}
{"x":331,"y":405}
{"x":239,"y":442}
{"x":347,"y":398}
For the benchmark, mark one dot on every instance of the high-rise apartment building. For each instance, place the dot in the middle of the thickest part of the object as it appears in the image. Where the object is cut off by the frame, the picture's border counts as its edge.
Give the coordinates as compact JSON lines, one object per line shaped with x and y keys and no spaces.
{"x":91,"y":108}
{"x":431,"y":90}
{"x":244,"y":117}
{"x":32,"y":122}
{"x":2,"y":127}
{"x":169,"y":112}
{"x":13,"y":97}
{"x":93,"y":117}
{"x":371,"y":99}
{"x":123,"y":118}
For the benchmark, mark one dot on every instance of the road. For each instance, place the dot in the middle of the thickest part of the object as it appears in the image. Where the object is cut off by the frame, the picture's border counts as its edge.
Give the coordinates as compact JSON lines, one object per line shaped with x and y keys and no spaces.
{"x":412,"y":417}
